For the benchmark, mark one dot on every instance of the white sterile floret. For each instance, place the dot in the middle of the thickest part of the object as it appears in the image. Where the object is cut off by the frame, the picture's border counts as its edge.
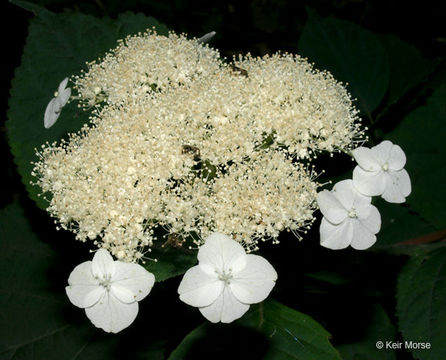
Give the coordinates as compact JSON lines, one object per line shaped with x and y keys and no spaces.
{"x":109,"y":290}
{"x":226,"y":280}
{"x":56,"y":104}
{"x":380,"y":171}
{"x":349,"y":218}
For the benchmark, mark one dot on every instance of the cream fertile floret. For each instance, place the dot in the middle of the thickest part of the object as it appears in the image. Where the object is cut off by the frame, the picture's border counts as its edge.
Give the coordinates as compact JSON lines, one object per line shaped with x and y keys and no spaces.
{"x":182,"y":140}
{"x":143,"y":65}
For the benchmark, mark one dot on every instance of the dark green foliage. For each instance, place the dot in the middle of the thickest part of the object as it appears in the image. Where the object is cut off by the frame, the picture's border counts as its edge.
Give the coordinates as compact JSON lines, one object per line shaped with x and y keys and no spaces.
{"x":421,"y":310}
{"x":352,"y":54}
{"x":269,"y":331}
{"x":57,"y":47}
{"x":346,"y":292}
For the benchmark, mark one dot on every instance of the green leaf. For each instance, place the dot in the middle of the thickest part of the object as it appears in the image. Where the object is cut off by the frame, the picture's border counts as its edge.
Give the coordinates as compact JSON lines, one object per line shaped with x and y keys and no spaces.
{"x":26,"y":5}
{"x":38,"y":321}
{"x":171,"y":261}
{"x":399,"y":224}
{"x":421,"y":303}
{"x":57,"y":46}
{"x":34,"y":322}
{"x":380,"y":329}
{"x":408,"y":67}
{"x":352,"y":54}
{"x":329,"y":277}
{"x":421,"y":135}
{"x":271,"y":330}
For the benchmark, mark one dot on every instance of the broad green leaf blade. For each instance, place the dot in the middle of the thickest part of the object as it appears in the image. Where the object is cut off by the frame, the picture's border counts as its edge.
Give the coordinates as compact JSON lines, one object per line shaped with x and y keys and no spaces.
{"x":421,"y":135}
{"x":421,"y":303}
{"x":57,"y":47}
{"x":38,"y":321}
{"x":408,"y":67}
{"x":171,"y":261}
{"x":34,"y":8}
{"x":352,"y":54}
{"x":279,"y":333}
{"x":329,"y":277}
{"x":399,"y":224}
{"x":380,"y":329}
{"x":34,"y":320}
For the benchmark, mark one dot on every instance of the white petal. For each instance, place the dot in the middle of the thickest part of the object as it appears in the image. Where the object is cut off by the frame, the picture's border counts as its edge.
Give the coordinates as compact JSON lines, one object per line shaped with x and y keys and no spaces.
{"x":366,"y":159}
{"x":381,"y":152}
{"x":122,"y":293}
{"x":83,"y":290}
{"x":369,"y":183}
{"x":103,"y":265}
{"x":345,"y":193}
{"x":112,"y":315}
{"x":133,"y":277}
{"x":94,"y":296}
{"x":206,"y":37}
{"x":336,"y":237}
{"x":62,"y":85}
{"x":254,"y":283}
{"x":52,"y":112}
{"x":82,"y":275}
{"x":199,"y":288}
{"x":362,"y":237}
{"x":372,"y":221}
{"x":330,"y":207}
{"x":222,"y":253}
{"x":398,"y":186}
{"x":84,"y":295}
{"x":63,"y":97}
{"x":397,"y":158}
{"x":225,"y":309}
{"x":362,"y":205}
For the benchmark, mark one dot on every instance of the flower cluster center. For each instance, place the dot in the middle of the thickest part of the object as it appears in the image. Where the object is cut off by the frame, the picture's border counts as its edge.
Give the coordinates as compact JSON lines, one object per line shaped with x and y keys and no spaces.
{"x":225,"y":276}
{"x":105,"y":281}
{"x":228,"y":151}
{"x":385,"y":167}
{"x":352,"y":213}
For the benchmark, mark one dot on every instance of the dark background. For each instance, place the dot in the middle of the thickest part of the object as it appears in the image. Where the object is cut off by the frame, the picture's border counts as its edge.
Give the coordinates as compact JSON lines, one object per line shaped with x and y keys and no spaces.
{"x":262,"y":27}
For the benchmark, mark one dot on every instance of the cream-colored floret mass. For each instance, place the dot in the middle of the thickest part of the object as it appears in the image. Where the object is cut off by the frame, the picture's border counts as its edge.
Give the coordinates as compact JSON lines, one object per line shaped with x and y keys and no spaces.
{"x":181,"y":140}
{"x":144,"y":64}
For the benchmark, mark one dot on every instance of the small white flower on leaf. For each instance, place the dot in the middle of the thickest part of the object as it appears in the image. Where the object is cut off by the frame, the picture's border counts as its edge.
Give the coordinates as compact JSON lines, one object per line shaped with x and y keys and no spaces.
{"x":380,"y":171}
{"x":226,"y":280}
{"x":109,"y":290}
{"x":349,"y":218}
{"x":56,"y":104}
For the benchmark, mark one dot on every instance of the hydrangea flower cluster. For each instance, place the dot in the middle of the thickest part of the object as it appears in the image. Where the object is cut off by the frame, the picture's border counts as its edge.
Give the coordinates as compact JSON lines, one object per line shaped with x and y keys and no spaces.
{"x":182,"y":140}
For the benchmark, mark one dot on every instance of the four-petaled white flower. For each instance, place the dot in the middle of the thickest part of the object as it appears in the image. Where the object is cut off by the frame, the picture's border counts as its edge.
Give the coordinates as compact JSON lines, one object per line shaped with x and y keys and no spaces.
{"x":380,"y":172}
{"x":109,"y":290}
{"x":56,"y":104}
{"x":349,"y":218}
{"x":226,"y":280}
